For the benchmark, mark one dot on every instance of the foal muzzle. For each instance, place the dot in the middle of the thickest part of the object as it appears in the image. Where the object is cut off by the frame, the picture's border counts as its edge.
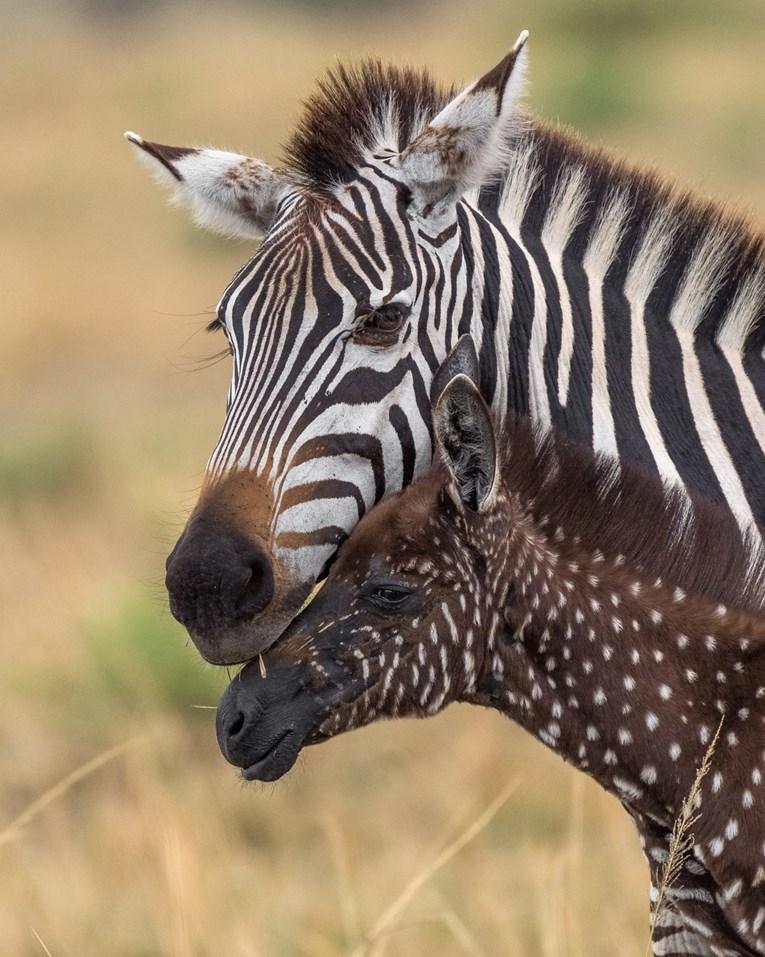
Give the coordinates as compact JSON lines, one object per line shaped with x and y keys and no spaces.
{"x":263,"y":721}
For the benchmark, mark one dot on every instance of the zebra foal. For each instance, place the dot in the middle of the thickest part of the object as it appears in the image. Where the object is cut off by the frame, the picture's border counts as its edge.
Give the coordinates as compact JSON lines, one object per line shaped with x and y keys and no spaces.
{"x":591,"y":605}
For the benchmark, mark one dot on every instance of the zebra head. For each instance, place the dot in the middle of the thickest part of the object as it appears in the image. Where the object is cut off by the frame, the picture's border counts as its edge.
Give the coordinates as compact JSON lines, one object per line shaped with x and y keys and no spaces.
{"x":359,"y":288}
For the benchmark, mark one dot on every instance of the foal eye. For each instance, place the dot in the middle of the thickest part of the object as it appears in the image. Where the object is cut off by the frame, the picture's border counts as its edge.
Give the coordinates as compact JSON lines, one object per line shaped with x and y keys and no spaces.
{"x":389,"y":597}
{"x":381,"y":326}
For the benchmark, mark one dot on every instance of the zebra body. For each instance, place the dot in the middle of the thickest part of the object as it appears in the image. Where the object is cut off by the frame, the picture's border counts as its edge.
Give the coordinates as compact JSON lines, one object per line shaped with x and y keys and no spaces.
{"x":601,"y":301}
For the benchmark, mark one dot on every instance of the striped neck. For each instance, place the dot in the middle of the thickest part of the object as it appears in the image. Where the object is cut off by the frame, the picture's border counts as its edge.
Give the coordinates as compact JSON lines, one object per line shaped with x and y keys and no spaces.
{"x":624,"y":314}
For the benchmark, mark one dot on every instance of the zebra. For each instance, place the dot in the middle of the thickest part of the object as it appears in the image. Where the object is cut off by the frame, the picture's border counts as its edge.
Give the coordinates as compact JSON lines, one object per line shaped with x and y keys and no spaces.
{"x":603,"y":301}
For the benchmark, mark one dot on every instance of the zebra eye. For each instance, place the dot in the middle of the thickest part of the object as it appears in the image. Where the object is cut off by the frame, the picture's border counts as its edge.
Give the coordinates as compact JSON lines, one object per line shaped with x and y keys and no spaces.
{"x":381,"y":326}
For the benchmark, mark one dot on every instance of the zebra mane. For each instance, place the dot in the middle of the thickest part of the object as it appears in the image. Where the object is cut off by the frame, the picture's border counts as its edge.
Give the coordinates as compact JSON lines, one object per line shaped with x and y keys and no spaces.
{"x":357,"y":110}
{"x":702,"y":265}
{"x":599,"y":506}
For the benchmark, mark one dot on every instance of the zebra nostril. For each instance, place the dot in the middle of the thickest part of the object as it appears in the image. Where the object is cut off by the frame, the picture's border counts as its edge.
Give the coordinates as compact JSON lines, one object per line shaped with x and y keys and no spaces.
{"x":257,"y":588}
{"x":217,"y":578}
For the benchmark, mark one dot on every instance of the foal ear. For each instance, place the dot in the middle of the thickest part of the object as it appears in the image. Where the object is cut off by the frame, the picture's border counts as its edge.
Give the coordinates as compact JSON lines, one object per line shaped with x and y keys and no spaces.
{"x":228,"y":193}
{"x":462,"y":359}
{"x":466,"y":442}
{"x":464,"y":144}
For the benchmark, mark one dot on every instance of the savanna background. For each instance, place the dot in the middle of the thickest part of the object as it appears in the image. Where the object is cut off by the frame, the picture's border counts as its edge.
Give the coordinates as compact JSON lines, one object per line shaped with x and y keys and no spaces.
{"x":108,"y":410}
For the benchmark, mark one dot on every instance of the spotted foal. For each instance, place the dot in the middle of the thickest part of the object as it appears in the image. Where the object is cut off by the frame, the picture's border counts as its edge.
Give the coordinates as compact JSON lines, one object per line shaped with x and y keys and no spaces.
{"x":616,"y":622}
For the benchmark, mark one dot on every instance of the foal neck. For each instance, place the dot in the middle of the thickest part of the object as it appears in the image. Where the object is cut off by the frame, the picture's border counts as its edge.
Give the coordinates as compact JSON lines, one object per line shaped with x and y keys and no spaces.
{"x":624,"y":674}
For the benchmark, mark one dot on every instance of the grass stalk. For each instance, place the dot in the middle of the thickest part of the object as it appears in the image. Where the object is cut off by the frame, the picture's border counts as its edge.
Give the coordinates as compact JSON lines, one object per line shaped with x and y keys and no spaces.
{"x":386,"y":920}
{"x":41,"y":942}
{"x":14,"y":829}
{"x":682,"y":839}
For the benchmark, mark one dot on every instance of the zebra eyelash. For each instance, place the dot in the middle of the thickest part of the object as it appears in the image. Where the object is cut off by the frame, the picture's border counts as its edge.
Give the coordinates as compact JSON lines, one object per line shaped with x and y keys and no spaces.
{"x":216,"y":325}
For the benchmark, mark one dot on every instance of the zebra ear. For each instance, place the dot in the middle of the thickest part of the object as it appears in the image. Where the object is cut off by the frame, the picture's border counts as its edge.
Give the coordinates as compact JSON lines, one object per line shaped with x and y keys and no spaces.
{"x":228,"y":193}
{"x":466,"y":443}
{"x":464,"y":145}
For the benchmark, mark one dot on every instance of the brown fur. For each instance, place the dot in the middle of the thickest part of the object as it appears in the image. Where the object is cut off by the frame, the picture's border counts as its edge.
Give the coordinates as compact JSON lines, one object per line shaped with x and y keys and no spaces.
{"x":630,"y":512}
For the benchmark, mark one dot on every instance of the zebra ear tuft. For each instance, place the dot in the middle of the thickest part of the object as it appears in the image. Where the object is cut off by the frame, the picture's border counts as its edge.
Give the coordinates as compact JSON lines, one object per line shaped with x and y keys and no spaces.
{"x":462,"y":359}
{"x":228,"y":193}
{"x":466,"y":443}
{"x":465,"y":144}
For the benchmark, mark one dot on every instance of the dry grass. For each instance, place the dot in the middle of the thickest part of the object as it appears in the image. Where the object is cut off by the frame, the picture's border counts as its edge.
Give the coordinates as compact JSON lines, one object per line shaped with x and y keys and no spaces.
{"x":388,"y":922}
{"x":15,"y":828}
{"x":105,"y":432}
{"x":682,"y":839}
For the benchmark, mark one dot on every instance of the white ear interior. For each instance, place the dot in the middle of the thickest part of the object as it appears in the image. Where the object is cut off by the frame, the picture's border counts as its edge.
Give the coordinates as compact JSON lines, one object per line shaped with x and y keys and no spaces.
{"x":467,"y":142}
{"x":228,"y":193}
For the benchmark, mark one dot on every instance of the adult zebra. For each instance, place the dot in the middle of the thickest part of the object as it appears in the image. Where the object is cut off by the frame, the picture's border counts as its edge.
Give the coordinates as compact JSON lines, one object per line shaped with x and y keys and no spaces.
{"x":600,"y":299}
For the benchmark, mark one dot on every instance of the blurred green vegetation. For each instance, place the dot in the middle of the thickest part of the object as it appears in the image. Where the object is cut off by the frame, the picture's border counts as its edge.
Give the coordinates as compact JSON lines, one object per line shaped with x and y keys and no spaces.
{"x":47,"y":462}
{"x":600,"y":24}
{"x":138,"y":659}
{"x":597,"y":89}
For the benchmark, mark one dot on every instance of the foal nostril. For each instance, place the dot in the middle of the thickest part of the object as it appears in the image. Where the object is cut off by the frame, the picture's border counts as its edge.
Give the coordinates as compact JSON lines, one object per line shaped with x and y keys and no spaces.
{"x":235,"y":725}
{"x":231,"y":725}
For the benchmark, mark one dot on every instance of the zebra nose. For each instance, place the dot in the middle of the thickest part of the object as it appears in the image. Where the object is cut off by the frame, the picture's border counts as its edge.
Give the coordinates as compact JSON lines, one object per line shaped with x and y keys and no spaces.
{"x":217,"y":578}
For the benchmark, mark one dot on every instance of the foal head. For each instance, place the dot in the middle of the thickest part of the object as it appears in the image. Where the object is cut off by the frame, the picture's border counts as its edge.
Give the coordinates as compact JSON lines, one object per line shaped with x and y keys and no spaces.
{"x":408,"y":613}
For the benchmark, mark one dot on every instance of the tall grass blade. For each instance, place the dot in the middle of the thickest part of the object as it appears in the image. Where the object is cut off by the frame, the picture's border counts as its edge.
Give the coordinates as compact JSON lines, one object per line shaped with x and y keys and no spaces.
{"x":681,"y":840}
{"x":14,"y":829}
{"x":384,"y":922}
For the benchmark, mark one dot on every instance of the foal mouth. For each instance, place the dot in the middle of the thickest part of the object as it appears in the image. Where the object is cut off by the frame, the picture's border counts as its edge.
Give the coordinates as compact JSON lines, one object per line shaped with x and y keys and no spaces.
{"x":276,"y":760}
